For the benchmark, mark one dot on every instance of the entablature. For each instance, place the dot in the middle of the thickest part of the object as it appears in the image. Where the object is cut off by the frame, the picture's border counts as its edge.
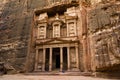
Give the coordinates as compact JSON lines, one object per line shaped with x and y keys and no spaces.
{"x":54,"y":45}
{"x":75,"y":44}
{"x":57,"y":40}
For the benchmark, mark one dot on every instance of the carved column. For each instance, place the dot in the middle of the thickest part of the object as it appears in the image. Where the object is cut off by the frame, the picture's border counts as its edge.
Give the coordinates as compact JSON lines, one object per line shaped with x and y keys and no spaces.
{"x":61,"y":59}
{"x":43,"y":66}
{"x":36,"y":59}
{"x":50,"y":60}
{"x":77,"y":59}
{"x":68,"y":57}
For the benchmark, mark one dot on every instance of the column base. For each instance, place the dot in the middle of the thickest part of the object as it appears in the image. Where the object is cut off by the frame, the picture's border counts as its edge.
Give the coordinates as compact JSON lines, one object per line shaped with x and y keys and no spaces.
{"x":43,"y":70}
{"x":75,"y":69}
{"x":68,"y":70}
{"x":38,"y":70}
{"x":50,"y":69}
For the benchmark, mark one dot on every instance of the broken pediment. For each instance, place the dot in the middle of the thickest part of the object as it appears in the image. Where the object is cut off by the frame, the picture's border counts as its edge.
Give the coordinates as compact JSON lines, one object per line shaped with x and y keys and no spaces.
{"x":71,"y":17}
{"x":71,"y":13}
{"x":41,"y":21}
{"x":42,"y":18}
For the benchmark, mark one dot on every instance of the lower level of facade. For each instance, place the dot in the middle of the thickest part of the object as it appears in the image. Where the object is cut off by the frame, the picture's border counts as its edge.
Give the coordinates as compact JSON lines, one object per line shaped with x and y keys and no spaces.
{"x":58,"y":56}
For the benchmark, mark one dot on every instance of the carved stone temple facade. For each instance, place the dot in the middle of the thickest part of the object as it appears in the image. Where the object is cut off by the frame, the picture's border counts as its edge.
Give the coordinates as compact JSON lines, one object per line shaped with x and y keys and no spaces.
{"x":56,"y":35}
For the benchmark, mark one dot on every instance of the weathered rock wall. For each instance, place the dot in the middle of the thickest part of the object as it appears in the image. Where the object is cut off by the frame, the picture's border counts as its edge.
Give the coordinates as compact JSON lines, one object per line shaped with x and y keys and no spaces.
{"x":104,"y":32}
{"x":14,"y":33}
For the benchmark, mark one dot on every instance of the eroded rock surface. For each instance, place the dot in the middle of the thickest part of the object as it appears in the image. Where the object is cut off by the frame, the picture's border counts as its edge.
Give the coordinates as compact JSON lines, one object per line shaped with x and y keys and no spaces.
{"x":103,"y":30}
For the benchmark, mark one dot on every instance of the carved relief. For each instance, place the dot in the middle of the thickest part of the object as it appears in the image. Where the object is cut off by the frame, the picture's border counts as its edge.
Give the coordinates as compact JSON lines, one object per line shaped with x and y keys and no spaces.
{"x":43,"y":16}
{"x":42,"y":31}
{"x":72,"y":57}
{"x":71,"y":11}
{"x":71,"y":29}
{"x":40,"y":59}
{"x":56,"y":30}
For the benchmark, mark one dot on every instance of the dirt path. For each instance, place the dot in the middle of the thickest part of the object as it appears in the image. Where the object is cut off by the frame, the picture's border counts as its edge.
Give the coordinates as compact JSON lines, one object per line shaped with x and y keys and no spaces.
{"x":37,"y":77}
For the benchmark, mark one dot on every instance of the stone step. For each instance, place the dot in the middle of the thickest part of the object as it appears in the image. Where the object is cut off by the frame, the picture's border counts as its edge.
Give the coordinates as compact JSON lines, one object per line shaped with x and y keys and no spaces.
{"x":62,"y":73}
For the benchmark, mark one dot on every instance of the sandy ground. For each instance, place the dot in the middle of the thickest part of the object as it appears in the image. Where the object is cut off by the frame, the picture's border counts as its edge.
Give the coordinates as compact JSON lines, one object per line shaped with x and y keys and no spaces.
{"x":45,"y":77}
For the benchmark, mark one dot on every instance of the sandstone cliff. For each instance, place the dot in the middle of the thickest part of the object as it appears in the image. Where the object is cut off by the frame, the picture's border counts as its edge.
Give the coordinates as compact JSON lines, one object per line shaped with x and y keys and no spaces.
{"x":102,"y":31}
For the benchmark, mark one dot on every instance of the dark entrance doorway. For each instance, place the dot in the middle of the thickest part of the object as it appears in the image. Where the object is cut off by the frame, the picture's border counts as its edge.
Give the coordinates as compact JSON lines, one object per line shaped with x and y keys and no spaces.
{"x":57,"y":61}
{"x":56,"y":58}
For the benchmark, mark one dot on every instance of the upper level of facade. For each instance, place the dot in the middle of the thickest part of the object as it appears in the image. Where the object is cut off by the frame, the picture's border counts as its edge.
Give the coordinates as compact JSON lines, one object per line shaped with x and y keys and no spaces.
{"x":56,"y":26}
{"x":60,"y":21}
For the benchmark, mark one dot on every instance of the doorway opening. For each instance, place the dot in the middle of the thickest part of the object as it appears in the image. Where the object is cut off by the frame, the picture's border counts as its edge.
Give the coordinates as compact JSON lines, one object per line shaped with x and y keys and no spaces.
{"x":56,"y":58}
{"x":57,"y":61}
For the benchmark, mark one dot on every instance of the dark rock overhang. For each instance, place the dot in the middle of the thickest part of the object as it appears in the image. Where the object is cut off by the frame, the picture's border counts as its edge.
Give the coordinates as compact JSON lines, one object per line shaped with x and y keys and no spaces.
{"x":57,"y":8}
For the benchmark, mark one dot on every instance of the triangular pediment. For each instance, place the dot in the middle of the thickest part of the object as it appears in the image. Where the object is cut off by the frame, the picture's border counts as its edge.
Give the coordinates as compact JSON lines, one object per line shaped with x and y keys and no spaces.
{"x":54,"y":41}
